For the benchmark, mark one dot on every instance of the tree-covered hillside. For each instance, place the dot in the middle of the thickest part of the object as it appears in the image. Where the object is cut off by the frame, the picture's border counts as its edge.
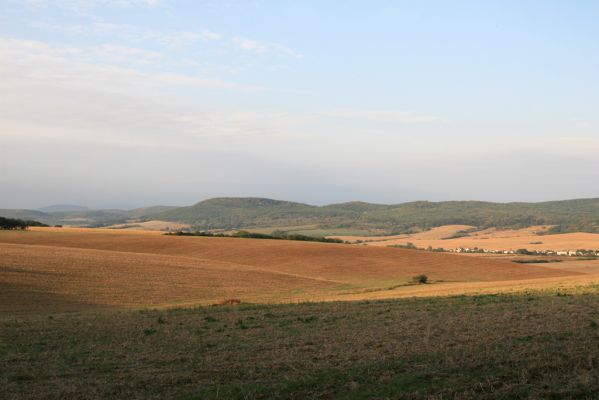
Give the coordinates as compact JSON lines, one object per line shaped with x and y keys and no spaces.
{"x":242,"y":213}
{"x":230,"y":213}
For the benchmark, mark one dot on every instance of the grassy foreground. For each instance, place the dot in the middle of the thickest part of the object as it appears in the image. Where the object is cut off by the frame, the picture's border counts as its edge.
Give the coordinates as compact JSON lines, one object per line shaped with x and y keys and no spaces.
{"x":534,"y":345}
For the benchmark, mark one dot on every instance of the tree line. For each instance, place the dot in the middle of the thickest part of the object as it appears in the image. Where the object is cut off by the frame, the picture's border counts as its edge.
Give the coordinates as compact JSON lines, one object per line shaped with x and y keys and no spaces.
{"x":276,"y":235}
{"x":17,"y":224}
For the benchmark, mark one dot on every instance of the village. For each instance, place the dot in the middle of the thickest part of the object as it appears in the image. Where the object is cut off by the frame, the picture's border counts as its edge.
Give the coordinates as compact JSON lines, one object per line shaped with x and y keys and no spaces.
{"x":569,"y":253}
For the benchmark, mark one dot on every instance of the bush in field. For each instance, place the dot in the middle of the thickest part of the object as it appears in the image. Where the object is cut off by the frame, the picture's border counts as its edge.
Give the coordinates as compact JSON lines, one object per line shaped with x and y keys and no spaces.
{"x":420,"y":279}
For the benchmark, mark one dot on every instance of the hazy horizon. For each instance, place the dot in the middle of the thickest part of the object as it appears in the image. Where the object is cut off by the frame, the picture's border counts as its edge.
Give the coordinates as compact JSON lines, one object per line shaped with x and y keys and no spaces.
{"x":133,"y":103}
{"x":123,"y":206}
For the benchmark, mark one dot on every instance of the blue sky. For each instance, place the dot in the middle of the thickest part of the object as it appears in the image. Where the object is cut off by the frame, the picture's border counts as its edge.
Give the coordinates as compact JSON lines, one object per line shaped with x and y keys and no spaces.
{"x":137,"y":102}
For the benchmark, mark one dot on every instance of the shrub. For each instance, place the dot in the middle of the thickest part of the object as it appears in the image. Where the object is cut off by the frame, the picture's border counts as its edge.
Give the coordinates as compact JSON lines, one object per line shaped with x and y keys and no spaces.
{"x":149,"y":331}
{"x":229,"y":302}
{"x":307,"y":320}
{"x":420,"y":279}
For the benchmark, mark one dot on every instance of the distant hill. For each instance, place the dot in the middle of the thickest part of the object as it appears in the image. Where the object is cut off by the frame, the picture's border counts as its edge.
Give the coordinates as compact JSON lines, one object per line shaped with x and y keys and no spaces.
{"x":62,"y":208}
{"x":81,"y":216}
{"x":232,"y":213}
{"x":251,"y":212}
{"x":27,"y":215}
{"x":148,"y":212}
{"x":242,"y":212}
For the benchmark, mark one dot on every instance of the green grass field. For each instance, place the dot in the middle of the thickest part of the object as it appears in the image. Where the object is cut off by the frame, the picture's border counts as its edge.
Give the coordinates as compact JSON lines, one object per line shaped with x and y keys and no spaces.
{"x":532,"y":345}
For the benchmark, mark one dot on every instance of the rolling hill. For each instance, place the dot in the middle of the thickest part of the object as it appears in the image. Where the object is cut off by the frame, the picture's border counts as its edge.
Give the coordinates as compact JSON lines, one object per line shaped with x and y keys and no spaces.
{"x":81,"y":216}
{"x":234,"y":213}
{"x":62,"y":208}
{"x":580,"y":215}
{"x":50,"y":269}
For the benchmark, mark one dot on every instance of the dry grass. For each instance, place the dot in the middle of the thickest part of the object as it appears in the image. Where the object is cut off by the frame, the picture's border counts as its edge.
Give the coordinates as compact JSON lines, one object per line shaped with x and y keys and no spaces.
{"x":47,"y":270}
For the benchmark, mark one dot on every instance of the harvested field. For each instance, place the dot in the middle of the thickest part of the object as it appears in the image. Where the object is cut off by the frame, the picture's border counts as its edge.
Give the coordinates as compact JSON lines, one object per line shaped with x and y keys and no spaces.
{"x":73,"y":230}
{"x":490,"y":239}
{"x":52,"y":269}
{"x":153,"y":225}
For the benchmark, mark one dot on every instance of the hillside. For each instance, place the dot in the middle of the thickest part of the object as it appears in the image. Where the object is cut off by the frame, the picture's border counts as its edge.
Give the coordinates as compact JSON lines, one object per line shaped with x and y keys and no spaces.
{"x":80,"y":216}
{"x":242,"y":213}
{"x":62,"y":208}
{"x":223,"y":213}
{"x":147,"y":212}
{"x":231,"y":213}
{"x":28,"y":215}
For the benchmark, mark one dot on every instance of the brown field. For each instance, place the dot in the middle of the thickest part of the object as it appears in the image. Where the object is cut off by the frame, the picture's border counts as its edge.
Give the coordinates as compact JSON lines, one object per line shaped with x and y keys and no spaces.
{"x":154,"y":225}
{"x":491,"y":239}
{"x":53,"y":269}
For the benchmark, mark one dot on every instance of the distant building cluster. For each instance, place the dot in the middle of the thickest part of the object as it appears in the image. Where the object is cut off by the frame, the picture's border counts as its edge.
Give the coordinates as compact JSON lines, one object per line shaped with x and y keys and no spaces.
{"x":569,"y":253}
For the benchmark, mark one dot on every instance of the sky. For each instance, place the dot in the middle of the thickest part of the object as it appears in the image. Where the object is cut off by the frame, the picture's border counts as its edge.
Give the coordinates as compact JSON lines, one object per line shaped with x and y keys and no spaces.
{"x":128,"y":103}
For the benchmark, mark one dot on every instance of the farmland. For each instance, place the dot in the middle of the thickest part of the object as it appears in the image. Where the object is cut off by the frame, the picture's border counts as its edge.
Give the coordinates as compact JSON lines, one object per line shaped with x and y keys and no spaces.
{"x":78,"y":269}
{"x":464,"y":236}
{"x":529,"y":345}
{"x":103,"y":313}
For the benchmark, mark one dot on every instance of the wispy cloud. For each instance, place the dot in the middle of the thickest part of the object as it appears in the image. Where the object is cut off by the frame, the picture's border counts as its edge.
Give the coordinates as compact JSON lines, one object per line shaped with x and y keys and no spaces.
{"x":386,"y":116}
{"x":87,"y":4}
{"x":209,"y":35}
{"x":258,"y":47}
{"x":130,"y":33}
{"x":135,"y":34}
{"x":64,"y":93}
{"x":116,"y":54}
{"x":113,"y":67}
{"x":250,"y":45}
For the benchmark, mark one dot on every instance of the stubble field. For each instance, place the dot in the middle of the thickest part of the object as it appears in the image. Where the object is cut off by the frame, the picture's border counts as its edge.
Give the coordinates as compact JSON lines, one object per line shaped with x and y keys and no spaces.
{"x":76,"y":269}
{"x":490,"y":239}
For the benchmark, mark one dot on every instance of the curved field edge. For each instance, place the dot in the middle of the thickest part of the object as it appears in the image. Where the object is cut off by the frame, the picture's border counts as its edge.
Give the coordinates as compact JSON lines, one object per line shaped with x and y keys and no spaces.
{"x":542,"y":344}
